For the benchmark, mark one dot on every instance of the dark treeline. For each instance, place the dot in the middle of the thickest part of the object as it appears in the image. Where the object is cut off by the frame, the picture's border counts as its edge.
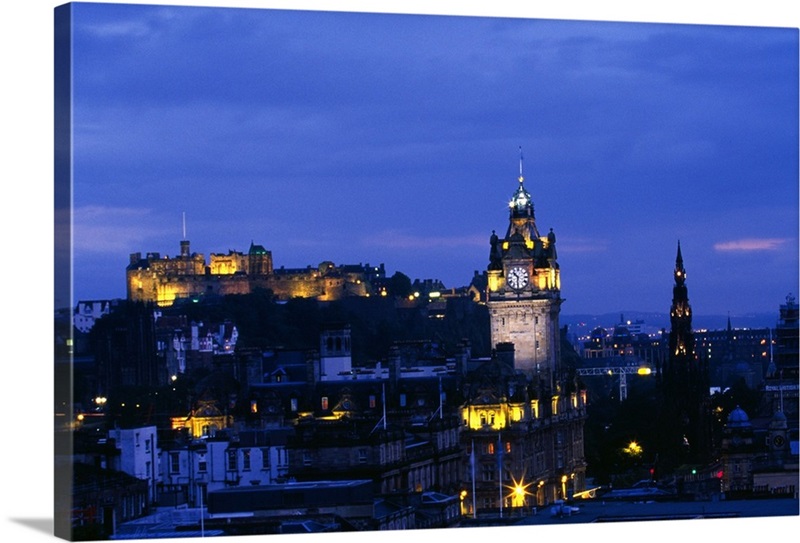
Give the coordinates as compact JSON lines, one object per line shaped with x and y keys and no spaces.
{"x":376,"y":322}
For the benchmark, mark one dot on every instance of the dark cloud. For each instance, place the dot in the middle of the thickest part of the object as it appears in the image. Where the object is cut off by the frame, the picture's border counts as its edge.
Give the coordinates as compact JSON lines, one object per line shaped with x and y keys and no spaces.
{"x":394,"y":138}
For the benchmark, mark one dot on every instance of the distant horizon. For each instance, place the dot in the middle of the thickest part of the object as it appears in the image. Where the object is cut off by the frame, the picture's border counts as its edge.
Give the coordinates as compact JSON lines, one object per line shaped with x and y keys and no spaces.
{"x":602,"y":313}
{"x":759,"y":319}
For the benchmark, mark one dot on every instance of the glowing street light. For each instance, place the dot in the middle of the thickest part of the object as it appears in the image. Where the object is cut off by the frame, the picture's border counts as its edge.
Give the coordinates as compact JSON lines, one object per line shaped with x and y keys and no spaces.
{"x":518,"y":491}
{"x":633,"y":449}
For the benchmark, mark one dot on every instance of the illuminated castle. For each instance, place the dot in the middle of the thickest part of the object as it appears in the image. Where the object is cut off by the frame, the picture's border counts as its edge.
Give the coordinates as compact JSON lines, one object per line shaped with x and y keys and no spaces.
{"x":164,"y":279}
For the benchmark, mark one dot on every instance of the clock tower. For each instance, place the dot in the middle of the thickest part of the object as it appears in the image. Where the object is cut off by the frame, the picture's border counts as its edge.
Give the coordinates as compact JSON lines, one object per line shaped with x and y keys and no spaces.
{"x":524,"y":289}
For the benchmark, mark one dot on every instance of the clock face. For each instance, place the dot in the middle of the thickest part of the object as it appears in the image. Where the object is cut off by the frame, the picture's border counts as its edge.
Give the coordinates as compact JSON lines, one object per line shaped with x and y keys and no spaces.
{"x":517,"y":278}
{"x":777,"y":441}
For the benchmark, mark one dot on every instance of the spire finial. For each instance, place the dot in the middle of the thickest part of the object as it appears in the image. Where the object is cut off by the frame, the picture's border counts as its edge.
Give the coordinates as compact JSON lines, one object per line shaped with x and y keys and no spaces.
{"x":184,"y":224}
{"x":521,"y":178}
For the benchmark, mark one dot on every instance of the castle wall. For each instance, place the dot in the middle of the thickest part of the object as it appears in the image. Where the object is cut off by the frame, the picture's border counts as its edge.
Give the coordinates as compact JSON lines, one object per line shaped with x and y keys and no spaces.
{"x":163,"y":279}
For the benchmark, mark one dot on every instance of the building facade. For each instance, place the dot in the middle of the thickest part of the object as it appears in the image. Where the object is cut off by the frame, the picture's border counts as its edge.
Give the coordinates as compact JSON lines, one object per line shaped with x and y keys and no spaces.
{"x":523,"y":417}
{"x":524,"y":289}
{"x":164,"y":279}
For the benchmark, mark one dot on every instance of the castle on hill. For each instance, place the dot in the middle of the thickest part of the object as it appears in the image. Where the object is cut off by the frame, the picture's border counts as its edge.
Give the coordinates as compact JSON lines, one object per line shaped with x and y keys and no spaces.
{"x":164,"y":279}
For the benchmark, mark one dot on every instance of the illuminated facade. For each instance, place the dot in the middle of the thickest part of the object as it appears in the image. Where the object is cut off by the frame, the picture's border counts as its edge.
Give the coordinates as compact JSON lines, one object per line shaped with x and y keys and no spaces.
{"x":523,"y":444}
{"x":204,"y":421}
{"x":524,"y":289}
{"x":522,"y":422}
{"x":164,"y":279}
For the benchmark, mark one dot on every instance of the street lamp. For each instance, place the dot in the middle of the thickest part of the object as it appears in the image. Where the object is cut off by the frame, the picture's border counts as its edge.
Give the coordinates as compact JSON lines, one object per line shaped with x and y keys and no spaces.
{"x":633,"y":449}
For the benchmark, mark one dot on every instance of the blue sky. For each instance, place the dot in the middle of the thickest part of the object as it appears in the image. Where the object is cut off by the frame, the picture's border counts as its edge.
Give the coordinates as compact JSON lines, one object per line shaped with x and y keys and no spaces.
{"x":564,"y":159}
{"x":390,"y":138}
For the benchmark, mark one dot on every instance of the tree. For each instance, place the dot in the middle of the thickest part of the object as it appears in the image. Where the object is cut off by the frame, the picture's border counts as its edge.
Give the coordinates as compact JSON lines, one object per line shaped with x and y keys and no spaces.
{"x":400,"y":285}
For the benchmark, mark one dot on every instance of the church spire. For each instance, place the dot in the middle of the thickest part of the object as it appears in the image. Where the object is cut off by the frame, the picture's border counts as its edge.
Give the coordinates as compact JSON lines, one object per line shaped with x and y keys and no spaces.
{"x":680,"y":272}
{"x":681,"y":336}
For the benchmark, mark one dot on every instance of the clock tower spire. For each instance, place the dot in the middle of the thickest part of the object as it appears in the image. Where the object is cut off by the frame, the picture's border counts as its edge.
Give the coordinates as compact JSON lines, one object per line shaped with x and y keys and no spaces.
{"x":524,"y":288}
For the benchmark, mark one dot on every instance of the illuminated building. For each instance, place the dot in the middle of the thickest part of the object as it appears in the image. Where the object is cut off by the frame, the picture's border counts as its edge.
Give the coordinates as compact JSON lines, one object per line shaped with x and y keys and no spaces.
{"x":523,"y":442}
{"x":523,"y":419}
{"x":524,"y":289}
{"x":787,"y":340}
{"x":164,"y":279}
{"x":204,"y":421}
{"x":734,"y":355}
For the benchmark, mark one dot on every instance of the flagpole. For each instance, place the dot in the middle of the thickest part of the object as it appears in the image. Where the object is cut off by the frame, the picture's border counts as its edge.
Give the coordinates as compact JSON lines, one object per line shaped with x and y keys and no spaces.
{"x":440,"y":398}
{"x":500,"y":471}
{"x":472,"y":462}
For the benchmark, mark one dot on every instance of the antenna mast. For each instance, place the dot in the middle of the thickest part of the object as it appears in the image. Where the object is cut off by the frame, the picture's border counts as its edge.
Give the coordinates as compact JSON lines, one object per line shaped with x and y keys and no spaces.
{"x":184,"y":224}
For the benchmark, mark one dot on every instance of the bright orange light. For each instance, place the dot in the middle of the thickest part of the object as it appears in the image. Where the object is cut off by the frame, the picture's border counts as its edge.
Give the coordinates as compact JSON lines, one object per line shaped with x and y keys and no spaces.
{"x":518,"y":491}
{"x":633,"y":449}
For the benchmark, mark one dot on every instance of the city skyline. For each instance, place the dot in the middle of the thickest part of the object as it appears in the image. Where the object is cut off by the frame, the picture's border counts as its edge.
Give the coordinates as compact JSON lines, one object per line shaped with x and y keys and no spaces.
{"x":395,"y":139}
{"x":28,"y":40}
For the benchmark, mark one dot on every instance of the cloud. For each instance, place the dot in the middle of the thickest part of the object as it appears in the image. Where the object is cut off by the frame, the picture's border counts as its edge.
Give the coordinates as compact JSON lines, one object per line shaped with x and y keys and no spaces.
{"x":101,"y":229}
{"x":577,"y":245}
{"x":751,"y":244}
{"x":395,"y":239}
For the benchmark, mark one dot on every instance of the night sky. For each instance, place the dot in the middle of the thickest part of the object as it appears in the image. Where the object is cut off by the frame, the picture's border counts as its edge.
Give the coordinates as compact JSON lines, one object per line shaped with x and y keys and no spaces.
{"x":395,"y":139}
{"x":634,"y":136}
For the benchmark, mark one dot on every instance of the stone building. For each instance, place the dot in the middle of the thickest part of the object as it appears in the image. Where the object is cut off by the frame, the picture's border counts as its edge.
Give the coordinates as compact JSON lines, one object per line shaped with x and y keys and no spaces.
{"x":164,"y":279}
{"x":523,"y":416}
{"x":524,"y":289}
{"x":738,"y":452}
{"x":523,"y":442}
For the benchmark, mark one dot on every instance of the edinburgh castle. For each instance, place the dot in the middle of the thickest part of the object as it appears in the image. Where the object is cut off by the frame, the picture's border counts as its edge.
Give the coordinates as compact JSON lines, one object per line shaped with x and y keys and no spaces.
{"x":164,"y":279}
